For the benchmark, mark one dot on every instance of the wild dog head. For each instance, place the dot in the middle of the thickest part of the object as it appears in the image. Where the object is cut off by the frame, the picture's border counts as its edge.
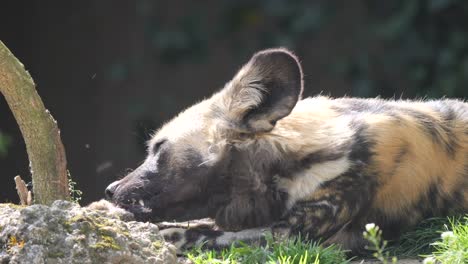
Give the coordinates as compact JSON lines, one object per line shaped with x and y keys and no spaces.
{"x":212,"y":159}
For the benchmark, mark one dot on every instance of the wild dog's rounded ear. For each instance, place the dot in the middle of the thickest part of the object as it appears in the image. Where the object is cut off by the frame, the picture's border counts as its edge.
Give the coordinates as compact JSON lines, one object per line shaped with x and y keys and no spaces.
{"x":265,"y":90}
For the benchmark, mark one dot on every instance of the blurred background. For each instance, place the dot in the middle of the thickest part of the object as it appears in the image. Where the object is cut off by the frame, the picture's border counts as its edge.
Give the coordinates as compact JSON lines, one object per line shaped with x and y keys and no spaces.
{"x":111,"y":71}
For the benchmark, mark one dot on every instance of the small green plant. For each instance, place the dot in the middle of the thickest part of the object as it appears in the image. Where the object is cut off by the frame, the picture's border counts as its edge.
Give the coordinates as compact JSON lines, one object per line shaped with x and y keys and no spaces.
{"x":373,"y":234}
{"x":452,"y":248}
{"x":75,"y":193}
{"x":291,"y":251}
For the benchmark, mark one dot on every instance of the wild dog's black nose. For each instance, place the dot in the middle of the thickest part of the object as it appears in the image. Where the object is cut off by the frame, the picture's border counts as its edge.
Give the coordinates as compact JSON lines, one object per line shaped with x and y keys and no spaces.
{"x":110,"y":190}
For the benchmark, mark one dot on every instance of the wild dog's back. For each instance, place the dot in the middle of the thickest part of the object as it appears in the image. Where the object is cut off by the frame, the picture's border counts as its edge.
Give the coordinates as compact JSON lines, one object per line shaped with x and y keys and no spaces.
{"x":421,"y":152}
{"x":393,"y":163}
{"x":418,"y":158}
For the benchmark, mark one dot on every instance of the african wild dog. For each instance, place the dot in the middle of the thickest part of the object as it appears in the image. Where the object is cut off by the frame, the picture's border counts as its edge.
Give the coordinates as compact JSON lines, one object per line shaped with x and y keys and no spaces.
{"x":256,"y":157}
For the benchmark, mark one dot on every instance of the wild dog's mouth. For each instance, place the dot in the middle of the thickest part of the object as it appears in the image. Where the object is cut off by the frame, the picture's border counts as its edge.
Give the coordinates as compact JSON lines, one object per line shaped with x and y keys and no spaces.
{"x":134,"y":202}
{"x":138,"y":207}
{"x":157,"y":209}
{"x":131,"y":203}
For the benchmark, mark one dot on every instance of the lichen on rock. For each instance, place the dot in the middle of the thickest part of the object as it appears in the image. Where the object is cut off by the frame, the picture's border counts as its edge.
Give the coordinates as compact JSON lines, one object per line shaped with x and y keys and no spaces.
{"x":67,"y":233}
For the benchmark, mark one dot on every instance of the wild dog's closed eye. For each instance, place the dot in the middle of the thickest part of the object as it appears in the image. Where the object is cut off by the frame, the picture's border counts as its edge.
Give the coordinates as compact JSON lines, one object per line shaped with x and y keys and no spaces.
{"x":157,"y":145}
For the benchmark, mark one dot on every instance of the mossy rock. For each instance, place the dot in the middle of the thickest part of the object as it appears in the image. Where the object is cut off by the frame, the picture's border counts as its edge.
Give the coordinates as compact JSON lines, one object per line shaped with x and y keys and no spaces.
{"x":67,"y":233}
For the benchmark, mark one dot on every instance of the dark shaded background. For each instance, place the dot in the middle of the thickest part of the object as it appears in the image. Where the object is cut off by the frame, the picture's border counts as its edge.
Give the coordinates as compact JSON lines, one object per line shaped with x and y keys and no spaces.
{"x":111,"y":71}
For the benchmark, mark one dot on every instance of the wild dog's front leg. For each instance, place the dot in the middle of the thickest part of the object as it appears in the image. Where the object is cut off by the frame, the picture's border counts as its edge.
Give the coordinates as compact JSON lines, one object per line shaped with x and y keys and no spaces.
{"x":205,"y":223}
{"x":213,"y":239}
{"x":332,"y":213}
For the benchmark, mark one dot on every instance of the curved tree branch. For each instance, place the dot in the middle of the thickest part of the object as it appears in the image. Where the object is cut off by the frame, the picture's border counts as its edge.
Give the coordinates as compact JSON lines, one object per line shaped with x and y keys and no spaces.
{"x":40,"y":132}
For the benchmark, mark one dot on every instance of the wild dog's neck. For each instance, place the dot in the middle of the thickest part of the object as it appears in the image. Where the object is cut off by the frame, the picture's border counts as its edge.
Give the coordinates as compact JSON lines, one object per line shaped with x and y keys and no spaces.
{"x":314,"y":143}
{"x":254,"y":201}
{"x":312,"y":126}
{"x":312,"y":133}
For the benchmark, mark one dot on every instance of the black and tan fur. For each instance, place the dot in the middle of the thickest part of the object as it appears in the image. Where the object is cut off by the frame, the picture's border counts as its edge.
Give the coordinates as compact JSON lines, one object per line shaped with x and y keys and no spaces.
{"x":256,"y":157}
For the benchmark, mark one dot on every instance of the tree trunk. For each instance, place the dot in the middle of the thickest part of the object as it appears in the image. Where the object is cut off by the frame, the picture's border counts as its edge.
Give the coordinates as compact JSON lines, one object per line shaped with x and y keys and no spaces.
{"x":40,"y":132}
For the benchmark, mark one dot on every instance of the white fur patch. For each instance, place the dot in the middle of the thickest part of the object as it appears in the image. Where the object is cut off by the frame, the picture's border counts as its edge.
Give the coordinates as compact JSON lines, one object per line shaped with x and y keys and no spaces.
{"x":169,"y":232}
{"x":227,"y":238}
{"x":303,"y":184}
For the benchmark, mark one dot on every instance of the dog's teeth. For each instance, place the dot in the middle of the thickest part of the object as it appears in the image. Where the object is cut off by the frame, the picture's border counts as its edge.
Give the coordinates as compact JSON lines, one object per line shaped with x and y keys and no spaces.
{"x":133,"y":201}
{"x":141,"y":202}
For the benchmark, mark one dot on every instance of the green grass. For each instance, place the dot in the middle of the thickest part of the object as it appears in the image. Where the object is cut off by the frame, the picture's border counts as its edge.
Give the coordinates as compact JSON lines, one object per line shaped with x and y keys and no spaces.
{"x":418,"y":241}
{"x":291,"y":251}
{"x":452,"y":247}
{"x":441,"y":240}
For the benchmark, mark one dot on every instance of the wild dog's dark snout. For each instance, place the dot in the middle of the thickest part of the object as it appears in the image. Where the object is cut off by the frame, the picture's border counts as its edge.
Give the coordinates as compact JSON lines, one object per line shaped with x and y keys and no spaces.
{"x":110,"y":190}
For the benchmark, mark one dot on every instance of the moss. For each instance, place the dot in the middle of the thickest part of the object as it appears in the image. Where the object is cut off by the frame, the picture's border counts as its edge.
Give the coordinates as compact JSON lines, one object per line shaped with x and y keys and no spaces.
{"x":106,"y":242}
{"x":102,"y":224}
{"x":57,"y":254}
{"x":67,"y":223}
{"x":78,"y":218}
{"x":103,"y":227}
{"x":99,"y":224}
{"x":85,"y":225}
{"x":157,"y":245}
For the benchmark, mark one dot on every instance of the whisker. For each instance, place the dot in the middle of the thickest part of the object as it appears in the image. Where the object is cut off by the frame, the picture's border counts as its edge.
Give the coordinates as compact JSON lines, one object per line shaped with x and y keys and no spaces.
{"x":206,"y":161}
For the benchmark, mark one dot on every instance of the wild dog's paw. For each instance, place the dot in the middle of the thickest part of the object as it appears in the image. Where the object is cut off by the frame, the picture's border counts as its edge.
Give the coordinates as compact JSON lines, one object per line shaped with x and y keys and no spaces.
{"x":175,"y":236}
{"x":205,"y":223}
{"x":185,"y":239}
{"x":188,"y":238}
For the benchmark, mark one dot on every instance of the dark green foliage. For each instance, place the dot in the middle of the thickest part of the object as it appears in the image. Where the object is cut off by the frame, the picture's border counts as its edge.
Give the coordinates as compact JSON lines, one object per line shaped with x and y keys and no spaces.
{"x":5,"y":142}
{"x":425,"y":45}
{"x":409,"y":48}
{"x":419,"y":241}
{"x":268,"y":23}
